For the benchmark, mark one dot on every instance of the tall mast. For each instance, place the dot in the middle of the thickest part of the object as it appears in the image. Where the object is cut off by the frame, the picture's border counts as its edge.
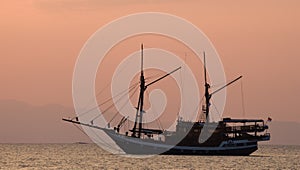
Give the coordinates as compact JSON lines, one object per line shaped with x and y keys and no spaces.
{"x":207,"y":95}
{"x":139,"y":112}
{"x":207,"y":86}
{"x":143,"y":87}
{"x":142,"y":90}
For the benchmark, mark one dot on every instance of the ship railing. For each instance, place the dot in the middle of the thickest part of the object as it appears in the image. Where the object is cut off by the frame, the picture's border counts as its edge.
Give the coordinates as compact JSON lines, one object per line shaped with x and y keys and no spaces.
{"x":245,"y":128}
{"x":240,"y":136}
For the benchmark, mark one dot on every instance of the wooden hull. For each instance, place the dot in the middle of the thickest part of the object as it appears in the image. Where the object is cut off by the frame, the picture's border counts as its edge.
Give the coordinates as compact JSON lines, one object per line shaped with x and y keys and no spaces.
{"x":138,"y":146}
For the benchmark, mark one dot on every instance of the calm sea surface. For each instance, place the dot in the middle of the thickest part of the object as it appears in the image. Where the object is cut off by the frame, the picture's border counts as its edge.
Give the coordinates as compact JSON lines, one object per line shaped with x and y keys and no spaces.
{"x":90,"y":156}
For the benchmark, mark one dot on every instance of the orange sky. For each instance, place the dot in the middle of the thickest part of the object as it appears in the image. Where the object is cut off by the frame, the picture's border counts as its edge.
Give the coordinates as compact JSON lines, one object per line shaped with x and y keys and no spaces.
{"x":41,"y":39}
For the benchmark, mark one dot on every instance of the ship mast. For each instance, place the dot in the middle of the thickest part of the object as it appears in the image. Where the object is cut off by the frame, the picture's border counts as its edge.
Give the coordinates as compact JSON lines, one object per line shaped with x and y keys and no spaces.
{"x":206,"y":93}
{"x":207,"y":86}
{"x":139,"y":112}
{"x":139,"y":108}
{"x":142,"y":91}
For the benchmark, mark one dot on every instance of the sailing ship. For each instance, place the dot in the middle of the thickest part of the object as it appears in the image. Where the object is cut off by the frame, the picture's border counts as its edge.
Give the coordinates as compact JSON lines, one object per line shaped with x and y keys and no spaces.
{"x":226,"y":137}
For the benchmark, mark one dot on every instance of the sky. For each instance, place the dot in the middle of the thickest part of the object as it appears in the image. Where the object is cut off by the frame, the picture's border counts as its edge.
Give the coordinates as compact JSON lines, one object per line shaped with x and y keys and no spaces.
{"x":41,"y":40}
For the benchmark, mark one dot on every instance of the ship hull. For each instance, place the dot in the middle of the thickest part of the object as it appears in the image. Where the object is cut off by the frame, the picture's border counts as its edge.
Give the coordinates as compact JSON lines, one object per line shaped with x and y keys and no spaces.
{"x":245,"y":151}
{"x":138,"y":146}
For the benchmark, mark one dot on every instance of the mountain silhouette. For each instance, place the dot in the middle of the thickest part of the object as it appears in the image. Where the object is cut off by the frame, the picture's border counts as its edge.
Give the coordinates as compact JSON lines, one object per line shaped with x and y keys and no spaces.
{"x":21,"y":122}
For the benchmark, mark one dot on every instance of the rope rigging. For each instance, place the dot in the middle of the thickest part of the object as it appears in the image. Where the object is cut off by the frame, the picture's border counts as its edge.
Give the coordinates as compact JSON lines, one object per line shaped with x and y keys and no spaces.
{"x":106,"y":101}
{"x":134,"y":86}
{"x":115,"y":115}
{"x":113,"y":104}
{"x":110,"y":99}
{"x":154,"y":110}
{"x":215,"y":107}
{"x":243,"y":99}
{"x":100,"y":92}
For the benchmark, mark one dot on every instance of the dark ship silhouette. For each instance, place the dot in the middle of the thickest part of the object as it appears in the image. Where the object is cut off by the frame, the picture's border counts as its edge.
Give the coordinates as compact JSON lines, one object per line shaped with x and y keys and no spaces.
{"x":226,"y":137}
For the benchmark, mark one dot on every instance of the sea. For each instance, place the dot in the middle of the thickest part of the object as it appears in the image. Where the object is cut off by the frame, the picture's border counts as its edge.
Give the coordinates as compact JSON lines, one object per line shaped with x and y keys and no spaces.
{"x":91,"y":156}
